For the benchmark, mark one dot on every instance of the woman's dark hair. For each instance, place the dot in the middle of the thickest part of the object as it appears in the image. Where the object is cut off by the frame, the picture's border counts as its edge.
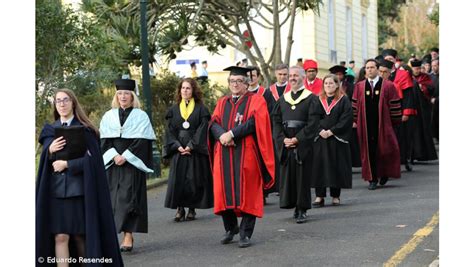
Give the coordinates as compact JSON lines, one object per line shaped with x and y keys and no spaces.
{"x":338,"y":93}
{"x":197,"y":94}
{"x":76,"y":109}
{"x":361,"y":74}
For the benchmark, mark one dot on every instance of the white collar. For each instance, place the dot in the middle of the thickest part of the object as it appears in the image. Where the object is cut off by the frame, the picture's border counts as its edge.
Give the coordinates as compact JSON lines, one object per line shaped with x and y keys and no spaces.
{"x":254,"y":89}
{"x":375,"y":80}
{"x":68,"y":121}
{"x":280,"y":85}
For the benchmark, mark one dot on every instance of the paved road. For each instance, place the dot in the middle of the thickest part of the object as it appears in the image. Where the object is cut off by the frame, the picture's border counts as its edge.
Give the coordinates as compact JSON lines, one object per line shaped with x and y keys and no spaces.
{"x":366,"y":230}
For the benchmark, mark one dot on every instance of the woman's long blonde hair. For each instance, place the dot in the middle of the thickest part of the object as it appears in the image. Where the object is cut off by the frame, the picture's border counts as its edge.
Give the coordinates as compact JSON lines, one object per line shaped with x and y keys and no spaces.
{"x":135,"y":101}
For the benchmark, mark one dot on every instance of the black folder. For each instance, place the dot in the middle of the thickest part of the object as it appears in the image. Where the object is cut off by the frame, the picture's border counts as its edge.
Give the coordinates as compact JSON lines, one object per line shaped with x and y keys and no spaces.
{"x":75,"y":142}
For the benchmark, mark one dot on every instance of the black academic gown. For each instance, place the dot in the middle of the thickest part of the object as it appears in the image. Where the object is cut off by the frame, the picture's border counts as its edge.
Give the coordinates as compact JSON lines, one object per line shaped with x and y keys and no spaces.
{"x":353,"y":141}
{"x":332,"y":156}
{"x":190,"y":178}
{"x":295,"y":163}
{"x":435,"y":115}
{"x":100,"y":234}
{"x":127,"y":184}
{"x":423,"y":145}
{"x":405,"y":131}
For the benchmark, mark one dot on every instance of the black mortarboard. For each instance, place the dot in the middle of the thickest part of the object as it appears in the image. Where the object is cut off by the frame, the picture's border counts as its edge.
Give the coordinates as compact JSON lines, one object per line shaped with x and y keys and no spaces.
{"x":337,"y":68}
{"x":386,"y":63}
{"x":379,"y":58}
{"x":234,"y":70}
{"x":389,"y":52}
{"x":352,"y":61}
{"x":416,"y":63}
{"x":125,"y":84}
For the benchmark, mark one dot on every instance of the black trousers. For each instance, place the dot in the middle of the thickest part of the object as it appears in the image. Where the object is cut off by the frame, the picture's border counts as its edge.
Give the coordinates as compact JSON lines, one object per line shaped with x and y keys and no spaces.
{"x":247,"y":224}
{"x":321,"y":191}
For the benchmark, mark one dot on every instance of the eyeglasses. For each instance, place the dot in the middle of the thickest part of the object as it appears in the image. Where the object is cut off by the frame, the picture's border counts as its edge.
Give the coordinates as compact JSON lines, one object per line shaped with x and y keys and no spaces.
{"x":65,"y":101}
{"x":236,"y":82}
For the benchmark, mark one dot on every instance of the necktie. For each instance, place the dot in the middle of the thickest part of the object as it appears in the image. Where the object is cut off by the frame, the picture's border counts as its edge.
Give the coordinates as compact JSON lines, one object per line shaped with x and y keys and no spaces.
{"x":372,"y":86}
{"x":235,"y":98}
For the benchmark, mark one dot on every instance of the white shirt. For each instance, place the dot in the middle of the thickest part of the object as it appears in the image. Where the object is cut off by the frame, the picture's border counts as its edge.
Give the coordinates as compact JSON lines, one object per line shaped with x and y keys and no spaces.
{"x":375,"y":80}
{"x":68,"y":121}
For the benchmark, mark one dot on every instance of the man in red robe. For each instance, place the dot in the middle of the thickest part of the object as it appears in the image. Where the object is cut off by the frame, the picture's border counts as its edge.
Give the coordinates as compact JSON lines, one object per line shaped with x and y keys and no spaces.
{"x":404,"y":84}
{"x":239,"y":152}
{"x":311,"y":82}
{"x":377,"y":108}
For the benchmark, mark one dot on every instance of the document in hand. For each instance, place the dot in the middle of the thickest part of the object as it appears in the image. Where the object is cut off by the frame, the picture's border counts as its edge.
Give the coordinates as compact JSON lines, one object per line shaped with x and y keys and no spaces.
{"x":75,"y":142}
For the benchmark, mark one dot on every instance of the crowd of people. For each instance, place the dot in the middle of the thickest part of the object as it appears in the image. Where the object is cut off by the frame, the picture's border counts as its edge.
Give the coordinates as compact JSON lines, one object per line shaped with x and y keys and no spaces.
{"x":301,"y":132}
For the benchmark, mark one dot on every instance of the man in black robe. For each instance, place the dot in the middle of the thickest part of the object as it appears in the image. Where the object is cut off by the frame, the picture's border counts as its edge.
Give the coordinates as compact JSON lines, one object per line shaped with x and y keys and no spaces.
{"x":295,"y":121}
{"x":435,"y":97}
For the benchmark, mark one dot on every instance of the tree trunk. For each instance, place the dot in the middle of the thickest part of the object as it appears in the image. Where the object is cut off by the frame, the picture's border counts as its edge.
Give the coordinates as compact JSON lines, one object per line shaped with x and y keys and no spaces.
{"x":277,"y":35}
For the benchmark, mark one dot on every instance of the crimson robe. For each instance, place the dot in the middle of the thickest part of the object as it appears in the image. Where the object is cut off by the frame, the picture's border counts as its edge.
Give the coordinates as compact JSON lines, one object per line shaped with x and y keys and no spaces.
{"x":388,"y":152}
{"x":237,"y":171}
{"x":425,"y":83}
{"x":315,"y":87}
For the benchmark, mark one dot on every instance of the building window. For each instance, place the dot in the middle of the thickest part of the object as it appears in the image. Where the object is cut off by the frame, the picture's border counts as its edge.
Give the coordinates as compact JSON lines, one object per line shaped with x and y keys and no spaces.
{"x":364,"y":38}
{"x":348,"y":33}
{"x":332,"y":33}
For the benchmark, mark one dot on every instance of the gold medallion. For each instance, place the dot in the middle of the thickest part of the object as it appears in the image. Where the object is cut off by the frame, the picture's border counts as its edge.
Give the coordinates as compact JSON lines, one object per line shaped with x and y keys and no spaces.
{"x":367,"y":92}
{"x":377,"y":92}
{"x":293,"y":107}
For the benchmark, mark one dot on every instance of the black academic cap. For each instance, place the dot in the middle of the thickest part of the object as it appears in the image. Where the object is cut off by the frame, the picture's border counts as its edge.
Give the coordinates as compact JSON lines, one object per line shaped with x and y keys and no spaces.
{"x":389,"y":52}
{"x":416,"y":63}
{"x":379,"y":58}
{"x":337,"y":68}
{"x":125,"y":84}
{"x":352,"y":61}
{"x":234,"y":70}
{"x":386,"y":63}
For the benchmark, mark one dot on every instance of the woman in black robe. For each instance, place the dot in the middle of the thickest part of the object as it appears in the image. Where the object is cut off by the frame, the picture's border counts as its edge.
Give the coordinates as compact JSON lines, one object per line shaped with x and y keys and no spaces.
{"x":190,"y":179}
{"x":126,"y":141}
{"x":73,"y":210}
{"x":332,"y":160}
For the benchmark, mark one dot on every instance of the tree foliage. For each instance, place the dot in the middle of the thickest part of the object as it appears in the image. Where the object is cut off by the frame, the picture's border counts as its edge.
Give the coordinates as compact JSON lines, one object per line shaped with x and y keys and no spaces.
{"x":387,"y":13}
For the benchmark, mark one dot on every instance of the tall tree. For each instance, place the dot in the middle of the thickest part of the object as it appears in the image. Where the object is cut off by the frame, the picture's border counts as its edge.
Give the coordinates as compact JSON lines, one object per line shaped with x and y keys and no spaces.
{"x":218,"y":24}
{"x":387,"y":13}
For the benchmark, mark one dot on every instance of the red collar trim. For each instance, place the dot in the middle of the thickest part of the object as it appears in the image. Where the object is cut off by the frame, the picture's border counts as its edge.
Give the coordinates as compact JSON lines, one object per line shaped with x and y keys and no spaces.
{"x":327,"y":107}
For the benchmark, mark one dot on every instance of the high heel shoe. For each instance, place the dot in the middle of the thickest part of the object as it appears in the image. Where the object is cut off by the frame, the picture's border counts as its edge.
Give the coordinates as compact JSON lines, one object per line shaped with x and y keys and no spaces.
{"x":318,"y":204}
{"x":191,"y":214}
{"x":179,"y":215}
{"x":127,"y":248}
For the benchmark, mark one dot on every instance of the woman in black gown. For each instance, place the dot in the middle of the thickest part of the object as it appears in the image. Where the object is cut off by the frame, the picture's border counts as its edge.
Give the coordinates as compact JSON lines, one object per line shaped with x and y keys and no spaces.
{"x":332,"y":160}
{"x":190,"y":179}
{"x":73,"y":209}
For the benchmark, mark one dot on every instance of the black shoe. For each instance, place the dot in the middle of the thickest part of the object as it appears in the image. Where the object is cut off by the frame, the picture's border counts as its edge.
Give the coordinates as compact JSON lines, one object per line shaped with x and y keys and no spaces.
{"x":301,"y":217}
{"x":244,"y":242}
{"x":383,"y":180}
{"x":127,"y":248}
{"x":408,"y":167}
{"x":318,"y":204}
{"x":229,"y":236}
{"x":191,"y":215}
{"x":295,"y":214}
{"x":372,"y":185}
{"x":180,"y":213}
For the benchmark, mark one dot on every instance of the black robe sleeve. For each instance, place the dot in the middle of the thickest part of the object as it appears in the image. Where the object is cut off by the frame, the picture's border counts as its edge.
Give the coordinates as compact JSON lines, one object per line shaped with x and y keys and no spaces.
{"x":217,"y":130}
{"x":199,"y":141}
{"x":278,"y":133}
{"x":244,"y":129}
{"x":171,"y":143}
{"x":343,"y":127}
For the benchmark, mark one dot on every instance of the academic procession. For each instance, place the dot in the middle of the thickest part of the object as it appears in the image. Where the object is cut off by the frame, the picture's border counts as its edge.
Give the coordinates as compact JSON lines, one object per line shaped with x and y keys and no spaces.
{"x":291,"y":165}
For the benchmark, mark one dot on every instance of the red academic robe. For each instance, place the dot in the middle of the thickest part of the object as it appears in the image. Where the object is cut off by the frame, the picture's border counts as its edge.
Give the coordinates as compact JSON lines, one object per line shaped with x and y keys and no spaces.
{"x":388,"y":152}
{"x":315,"y":87}
{"x":424,"y":81}
{"x":403,"y":81}
{"x":237,"y":171}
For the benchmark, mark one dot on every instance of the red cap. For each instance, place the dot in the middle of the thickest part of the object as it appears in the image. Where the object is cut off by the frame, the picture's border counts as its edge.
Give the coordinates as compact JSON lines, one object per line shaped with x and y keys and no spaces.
{"x":310,"y":64}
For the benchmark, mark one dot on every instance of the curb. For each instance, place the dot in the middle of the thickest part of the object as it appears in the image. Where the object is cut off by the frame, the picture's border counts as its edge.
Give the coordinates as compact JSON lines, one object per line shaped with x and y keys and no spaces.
{"x":435,"y":263}
{"x":157,"y":183}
